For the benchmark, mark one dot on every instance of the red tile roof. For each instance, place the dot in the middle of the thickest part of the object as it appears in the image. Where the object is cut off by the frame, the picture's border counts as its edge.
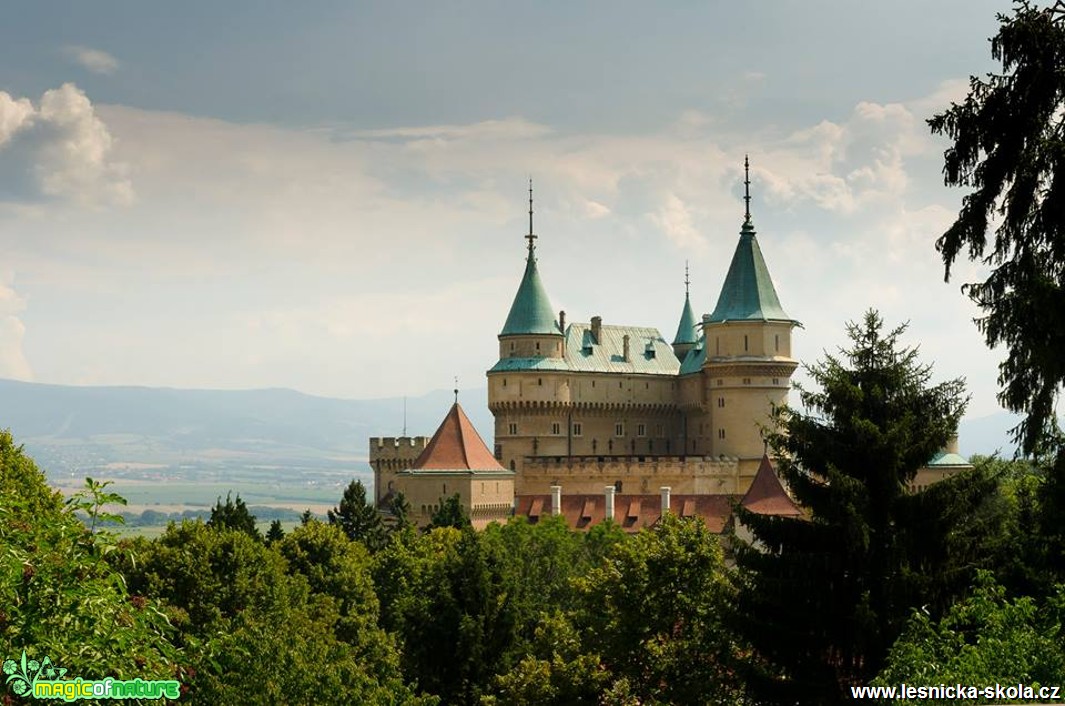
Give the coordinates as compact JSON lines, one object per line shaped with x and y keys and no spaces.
{"x":767,"y":496}
{"x":455,"y":446}
{"x":632,"y":512}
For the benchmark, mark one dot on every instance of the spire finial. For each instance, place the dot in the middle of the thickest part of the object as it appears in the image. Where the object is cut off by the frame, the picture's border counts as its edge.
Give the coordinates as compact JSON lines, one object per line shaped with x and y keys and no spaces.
{"x":747,"y":189}
{"x":686,"y":280}
{"x":531,"y":237}
{"x":456,"y":390}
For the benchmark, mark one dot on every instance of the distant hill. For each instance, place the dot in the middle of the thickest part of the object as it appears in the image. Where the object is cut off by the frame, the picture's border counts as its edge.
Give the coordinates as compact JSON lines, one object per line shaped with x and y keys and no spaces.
{"x":83,"y":429}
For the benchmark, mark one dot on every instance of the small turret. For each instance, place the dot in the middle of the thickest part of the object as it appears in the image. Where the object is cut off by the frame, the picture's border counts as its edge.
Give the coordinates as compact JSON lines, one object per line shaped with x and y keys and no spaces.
{"x":531,"y":330}
{"x":686,"y":337}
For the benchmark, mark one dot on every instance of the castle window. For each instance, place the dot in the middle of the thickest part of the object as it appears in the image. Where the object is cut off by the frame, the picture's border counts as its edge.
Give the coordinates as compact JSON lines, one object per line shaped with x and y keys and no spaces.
{"x":445,"y":488}
{"x":721,"y":433}
{"x":537,"y":346}
{"x":593,"y":383}
{"x":776,"y":341}
{"x":499,"y":452}
{"x":620,"y":383}
{"x":658,"y":430}
{"x":504,"y":382}
{"x":576,"y":428}
{"x":619,"y":429}
{"x":556,"y":428}
{"x":641,"y":430}
{"x":512,"y":345}
{"x":512,"y":464}
{"x":513,"y":429}
{"x":746,"y":381}
{"x":776,"y":381}
{"x":617,"y":486}
{"x":720,"y":401}
{"x":540,"y":381}
{"x":745,"y":342}
{"x":720,"y":382}
{"x":595,"y":445}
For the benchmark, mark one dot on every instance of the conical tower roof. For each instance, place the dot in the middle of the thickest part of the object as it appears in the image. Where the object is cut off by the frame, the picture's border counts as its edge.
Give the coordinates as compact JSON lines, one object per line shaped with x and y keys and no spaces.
{"x":767,"y":496}
{"x":686,"y":328}
{"x":457,"y":446}
{"x":748,"y":293}
{"x":531,"y":312}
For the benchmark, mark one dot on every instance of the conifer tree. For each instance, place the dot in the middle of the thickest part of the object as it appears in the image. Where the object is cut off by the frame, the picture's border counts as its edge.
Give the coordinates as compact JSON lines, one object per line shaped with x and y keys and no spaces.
{"x":358,"y":518}
{"x":450,"y":514}
{"x":823,"y":597}
{"x":275,"y":533}
{"x":400,"y":509}
{"x":233,"y":514}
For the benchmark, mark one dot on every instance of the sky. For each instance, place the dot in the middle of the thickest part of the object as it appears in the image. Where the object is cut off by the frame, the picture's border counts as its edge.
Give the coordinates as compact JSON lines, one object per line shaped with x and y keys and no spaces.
{"x":331,"y":196}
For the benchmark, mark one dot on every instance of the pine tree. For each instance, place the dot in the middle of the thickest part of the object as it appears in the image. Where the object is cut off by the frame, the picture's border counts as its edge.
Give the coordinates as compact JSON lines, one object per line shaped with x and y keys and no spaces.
{"x":359,"y":519}
{"x":275,"y":533}
{"x":450,"y":514}
{"x":233,"y":514}
{"x":823,"y":597}
{"x":400,"y":510}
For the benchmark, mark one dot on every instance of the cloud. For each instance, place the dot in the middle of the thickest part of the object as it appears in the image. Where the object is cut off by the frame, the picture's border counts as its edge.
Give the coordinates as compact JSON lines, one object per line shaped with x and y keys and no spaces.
{"x":59,"y":149}
{"x":99,"y":62}
{"x":13,"y":363}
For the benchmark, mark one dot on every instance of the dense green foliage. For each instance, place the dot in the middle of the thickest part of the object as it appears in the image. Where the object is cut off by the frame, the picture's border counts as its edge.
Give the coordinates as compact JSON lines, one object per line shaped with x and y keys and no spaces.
{"x":1008,"y":146}
{"x":985,"y":639}
{"x":823,"y":598}
{"x":358,"y":518}
{"x":234,"y":514}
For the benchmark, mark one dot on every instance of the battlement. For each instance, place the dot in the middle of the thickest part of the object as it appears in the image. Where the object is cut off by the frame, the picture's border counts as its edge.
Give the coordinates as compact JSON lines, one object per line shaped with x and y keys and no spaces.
{"x":396,"y":448}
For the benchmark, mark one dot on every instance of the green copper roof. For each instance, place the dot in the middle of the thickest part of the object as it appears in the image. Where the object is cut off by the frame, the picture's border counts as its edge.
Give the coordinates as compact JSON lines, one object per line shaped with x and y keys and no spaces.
{"x":686,"y":329}
{"x":748,"y":292}
{"x":531,"y":311}
{"x":945,"y":458}
{"x":649,"y":354}
{"x":695,"y":359}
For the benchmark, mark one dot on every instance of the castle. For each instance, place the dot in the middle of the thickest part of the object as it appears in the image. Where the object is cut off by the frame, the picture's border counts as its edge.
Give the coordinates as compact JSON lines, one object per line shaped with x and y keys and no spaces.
{"x":589,"y":413}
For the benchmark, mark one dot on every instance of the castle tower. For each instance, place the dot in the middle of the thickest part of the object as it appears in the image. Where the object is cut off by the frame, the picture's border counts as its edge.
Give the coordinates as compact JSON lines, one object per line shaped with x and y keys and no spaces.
{"x":526,"y":380}
{"x":687,"y":336}
{"x":748,"y":364}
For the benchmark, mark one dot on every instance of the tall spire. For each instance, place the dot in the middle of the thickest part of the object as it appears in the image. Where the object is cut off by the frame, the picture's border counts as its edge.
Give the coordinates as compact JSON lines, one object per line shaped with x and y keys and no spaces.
{"x":746,"y":190}
{"x":686,"y":335}
{"x":531,"y":237}
{"x":531,"y":312}
{"x":748,"y":292}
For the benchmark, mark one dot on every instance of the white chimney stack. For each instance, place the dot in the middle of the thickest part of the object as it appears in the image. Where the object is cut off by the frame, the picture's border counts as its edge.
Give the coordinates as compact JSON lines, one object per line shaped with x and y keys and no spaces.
{"x":665,"y":490}
{"x":609,"y":493}
{"x":556,"y":499}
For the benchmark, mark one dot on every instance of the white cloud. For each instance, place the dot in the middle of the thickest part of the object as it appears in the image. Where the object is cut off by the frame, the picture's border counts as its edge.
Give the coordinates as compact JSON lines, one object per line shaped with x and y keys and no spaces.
{"x":13,"y":363}
{"x":94,"y":60}
{"x":59,"y":149}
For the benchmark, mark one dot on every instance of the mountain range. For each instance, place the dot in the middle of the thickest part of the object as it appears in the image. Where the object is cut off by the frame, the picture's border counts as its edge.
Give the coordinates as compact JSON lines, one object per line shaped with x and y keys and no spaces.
{"x":73,"y":430}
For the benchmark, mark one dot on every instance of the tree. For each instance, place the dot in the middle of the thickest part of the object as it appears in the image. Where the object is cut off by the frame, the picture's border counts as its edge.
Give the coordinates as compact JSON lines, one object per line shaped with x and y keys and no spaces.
{"x":823,"y":598}
{"x":276,"y":533}
{"x":450,"y":514}
{"x":984,"y":639}
{"x":1008,"y":145}
{"x":399,"y":508}
{"x":358,"y":518}
{"x":233,"y":515}
{"x":654,"y":612}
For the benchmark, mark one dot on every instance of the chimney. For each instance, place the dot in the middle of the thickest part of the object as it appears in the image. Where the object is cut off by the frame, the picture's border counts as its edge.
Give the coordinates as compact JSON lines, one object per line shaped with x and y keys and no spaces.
{"x":952,"y":444}
{"x":665,"y":490}
{"x":597,"y":328}
{"x":625,"y":347}
{"x":556,"y":499}
{"x":609,"y":492}
{"x":562,"y":321}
